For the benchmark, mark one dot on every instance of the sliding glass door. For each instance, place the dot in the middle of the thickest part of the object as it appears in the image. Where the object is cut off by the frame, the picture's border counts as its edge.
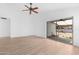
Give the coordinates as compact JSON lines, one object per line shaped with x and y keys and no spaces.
{"x":64,"y":29}
{"x":61,"y":30}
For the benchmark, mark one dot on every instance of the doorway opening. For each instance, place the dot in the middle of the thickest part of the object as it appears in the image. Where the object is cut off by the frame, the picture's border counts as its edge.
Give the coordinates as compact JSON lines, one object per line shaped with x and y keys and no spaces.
{"x":61,"y":30}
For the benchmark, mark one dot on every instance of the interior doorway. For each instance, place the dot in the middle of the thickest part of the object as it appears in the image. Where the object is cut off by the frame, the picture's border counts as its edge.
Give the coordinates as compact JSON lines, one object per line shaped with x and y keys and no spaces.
{"x":61,"y":30}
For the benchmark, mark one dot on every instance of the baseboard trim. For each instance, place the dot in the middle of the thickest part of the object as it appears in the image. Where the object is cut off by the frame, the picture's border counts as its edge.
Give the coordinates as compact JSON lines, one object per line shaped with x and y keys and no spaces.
{"x":27,"y":37}
{"x":4,"y":37}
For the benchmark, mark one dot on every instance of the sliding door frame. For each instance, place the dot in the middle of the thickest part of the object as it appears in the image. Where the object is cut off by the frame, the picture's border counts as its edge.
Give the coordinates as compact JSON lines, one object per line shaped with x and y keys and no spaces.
{"x":67,"y":18}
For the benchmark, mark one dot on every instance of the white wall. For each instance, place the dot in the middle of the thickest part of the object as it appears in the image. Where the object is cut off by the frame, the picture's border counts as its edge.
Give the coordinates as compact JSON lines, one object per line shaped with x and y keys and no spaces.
{"x":4,"y":28}
{"x":4,"y":24}
{"x":76,"y":30}
{"x":21,"y":24}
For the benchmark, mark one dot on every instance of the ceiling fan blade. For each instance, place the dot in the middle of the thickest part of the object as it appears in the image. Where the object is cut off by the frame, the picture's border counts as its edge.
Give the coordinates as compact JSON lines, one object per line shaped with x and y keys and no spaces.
{"x":26,"y":6}
{"x":34,"y":11}
{"x":34,"y":8}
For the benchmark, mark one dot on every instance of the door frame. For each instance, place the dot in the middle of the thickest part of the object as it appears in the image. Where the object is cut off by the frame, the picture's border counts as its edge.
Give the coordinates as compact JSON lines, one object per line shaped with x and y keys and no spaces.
{"x":56,"y":24}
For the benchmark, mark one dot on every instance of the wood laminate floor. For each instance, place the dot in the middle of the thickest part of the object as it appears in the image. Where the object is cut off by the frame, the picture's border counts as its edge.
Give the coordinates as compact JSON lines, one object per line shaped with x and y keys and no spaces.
{"x":33,"y":45}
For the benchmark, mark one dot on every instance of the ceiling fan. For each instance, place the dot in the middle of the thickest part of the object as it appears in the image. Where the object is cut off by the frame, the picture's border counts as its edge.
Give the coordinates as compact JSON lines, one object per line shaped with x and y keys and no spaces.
{"x":31,"y":9}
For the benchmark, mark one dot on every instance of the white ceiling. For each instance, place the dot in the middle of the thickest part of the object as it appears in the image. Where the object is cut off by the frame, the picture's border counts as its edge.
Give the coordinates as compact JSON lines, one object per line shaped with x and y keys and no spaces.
{"x":54,"y":6}
{"x":47,"y":6}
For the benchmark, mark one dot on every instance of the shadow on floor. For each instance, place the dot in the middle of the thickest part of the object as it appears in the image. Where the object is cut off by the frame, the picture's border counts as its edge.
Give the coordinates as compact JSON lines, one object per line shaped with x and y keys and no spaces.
{"x":66,"y":41}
